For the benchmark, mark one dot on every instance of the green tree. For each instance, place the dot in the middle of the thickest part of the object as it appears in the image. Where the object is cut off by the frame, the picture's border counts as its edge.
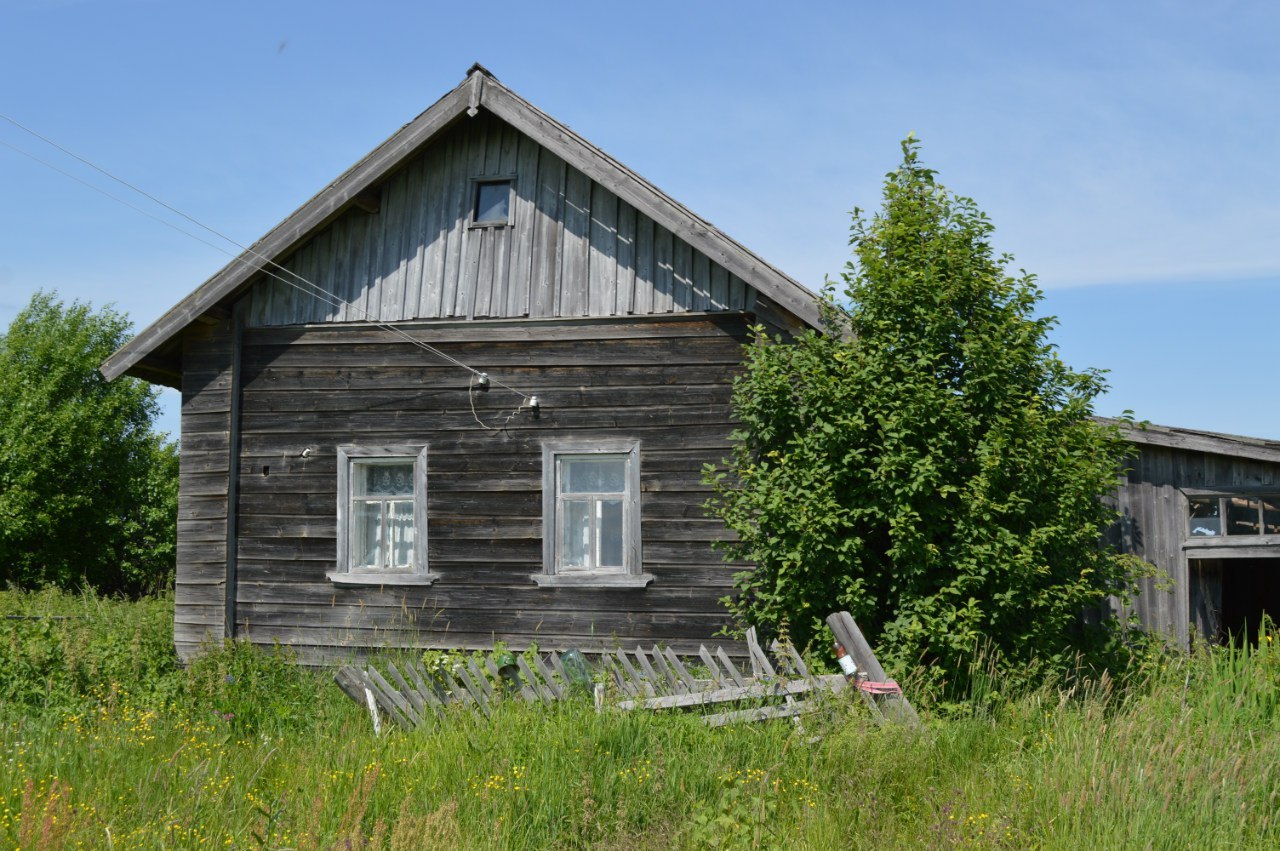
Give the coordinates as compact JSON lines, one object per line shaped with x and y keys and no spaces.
{"x":88,"y":493}
{"x":928,"y":463}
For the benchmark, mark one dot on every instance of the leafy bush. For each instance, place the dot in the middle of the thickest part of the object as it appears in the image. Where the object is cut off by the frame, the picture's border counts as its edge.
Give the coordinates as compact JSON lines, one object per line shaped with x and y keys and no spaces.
{"x":928,"y":462}
{"x":88,"y":494}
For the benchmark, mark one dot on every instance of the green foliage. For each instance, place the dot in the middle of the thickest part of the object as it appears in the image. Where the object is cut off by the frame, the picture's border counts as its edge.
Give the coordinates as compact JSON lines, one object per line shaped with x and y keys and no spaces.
{"x":88,"y":494}
{"x":928,"y":462}
{"x":60,"y":650}
{"x":1180,"y":750}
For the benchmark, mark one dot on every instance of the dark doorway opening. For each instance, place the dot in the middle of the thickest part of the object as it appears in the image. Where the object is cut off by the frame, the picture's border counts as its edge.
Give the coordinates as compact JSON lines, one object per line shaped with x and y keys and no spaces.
{"x":1229,"y":596}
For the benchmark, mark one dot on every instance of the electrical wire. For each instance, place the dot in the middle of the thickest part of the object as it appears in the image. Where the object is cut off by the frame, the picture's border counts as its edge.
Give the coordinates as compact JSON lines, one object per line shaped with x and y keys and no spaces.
{"x":307,"y":287}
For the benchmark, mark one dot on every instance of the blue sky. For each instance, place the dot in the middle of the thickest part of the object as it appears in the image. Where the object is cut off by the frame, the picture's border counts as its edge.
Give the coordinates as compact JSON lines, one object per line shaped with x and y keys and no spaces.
{"x":1126,"y":152}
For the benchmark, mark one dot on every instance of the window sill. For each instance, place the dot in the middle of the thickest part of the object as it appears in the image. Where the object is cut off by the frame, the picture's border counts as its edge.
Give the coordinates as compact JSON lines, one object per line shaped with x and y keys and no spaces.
{"x":592,"y":580}
{"x":368,"y":579}
{"x":1208,"y":542}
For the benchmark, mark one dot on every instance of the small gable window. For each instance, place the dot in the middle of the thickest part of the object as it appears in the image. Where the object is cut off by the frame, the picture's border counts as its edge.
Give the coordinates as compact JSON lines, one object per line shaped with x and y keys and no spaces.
{"x":491,"y":203}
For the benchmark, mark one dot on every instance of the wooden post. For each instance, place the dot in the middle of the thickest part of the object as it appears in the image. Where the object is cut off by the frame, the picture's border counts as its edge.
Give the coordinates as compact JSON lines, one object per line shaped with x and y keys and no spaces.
{"x":895,"y":707}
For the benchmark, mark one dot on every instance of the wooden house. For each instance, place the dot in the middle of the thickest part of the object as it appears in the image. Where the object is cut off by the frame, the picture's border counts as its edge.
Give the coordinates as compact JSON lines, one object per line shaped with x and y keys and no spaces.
{"x":462,"y":394}
{"x":465,"y":393}
{"x":1204,"y":508}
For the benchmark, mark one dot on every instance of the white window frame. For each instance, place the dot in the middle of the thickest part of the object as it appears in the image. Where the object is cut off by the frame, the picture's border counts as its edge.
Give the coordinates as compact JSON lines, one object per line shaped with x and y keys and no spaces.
{"x":346,"y":573}
{"x":630,"y":575}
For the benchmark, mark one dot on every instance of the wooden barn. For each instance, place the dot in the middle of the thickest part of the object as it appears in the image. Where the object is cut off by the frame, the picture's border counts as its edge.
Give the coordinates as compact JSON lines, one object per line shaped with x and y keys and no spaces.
{"x":1204,"y":508}
{"x":462,"y":394}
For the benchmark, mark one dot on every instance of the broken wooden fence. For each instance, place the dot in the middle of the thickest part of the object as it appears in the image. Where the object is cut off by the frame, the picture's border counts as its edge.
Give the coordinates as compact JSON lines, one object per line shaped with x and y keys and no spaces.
{"x":654,"y":679}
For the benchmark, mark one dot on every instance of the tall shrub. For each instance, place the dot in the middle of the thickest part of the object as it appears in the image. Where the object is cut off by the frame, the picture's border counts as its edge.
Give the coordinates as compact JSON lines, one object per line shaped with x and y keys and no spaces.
{"x":928,"y":462}
{"x":88,"y":493}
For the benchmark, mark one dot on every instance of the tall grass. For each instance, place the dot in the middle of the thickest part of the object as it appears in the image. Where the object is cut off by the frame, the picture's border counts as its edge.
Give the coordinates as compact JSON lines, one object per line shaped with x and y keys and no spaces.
{"x":106,"y":748}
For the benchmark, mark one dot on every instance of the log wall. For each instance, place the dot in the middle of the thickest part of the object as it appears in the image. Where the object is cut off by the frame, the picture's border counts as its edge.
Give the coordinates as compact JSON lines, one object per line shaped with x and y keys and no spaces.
{"x":664,"y":383}
{"x":204,"y":465}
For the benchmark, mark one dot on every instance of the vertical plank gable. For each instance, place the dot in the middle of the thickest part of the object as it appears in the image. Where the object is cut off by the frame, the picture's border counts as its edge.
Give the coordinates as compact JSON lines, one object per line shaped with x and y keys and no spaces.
{"x":547,"y":239}
{"x":576,"y":250}
{"x":602,"y":273}
{"x":572,"y":248}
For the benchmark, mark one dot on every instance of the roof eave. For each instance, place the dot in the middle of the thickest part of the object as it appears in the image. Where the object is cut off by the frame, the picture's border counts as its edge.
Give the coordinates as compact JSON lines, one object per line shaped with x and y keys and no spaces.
{"x":1194,"y":440}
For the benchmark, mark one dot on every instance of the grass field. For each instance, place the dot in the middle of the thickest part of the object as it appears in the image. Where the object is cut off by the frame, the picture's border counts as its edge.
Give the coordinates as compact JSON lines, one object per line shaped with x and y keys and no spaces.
{"x":108,"y":743}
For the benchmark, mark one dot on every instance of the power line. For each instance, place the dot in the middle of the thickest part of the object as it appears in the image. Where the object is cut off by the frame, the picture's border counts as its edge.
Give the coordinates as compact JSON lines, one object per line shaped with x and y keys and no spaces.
{"x":315,"y":290}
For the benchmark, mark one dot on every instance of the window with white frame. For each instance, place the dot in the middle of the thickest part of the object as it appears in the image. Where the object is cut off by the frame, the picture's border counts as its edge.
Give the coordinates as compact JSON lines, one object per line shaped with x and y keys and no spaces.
{"x":591,"y":515}
{"x":382,"y":515}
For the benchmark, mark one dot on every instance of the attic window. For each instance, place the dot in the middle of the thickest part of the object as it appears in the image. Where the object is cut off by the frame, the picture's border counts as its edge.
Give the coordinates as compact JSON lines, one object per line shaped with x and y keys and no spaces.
{"x":491,"y":202}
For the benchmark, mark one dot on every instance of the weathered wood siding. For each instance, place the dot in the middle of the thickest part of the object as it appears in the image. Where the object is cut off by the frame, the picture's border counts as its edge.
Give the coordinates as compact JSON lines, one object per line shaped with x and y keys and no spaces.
{"x":1154,"y":523}
{"x":200,"y":592}
{"x":573,"y":248}
{"x":665,"y":383}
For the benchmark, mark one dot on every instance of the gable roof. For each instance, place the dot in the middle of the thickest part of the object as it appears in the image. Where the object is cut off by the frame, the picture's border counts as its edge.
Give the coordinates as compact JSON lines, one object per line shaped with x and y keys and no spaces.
{"x":152,"y":353}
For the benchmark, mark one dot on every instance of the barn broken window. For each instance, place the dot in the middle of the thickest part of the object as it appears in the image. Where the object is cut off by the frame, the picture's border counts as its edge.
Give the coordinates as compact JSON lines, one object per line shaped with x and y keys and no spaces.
{"x":381,"y":514}
{"x":1233,"y":515}
{"x":591,"y":515}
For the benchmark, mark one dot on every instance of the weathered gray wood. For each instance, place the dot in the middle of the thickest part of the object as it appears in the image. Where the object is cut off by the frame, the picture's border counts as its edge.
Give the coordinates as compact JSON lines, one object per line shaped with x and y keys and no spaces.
{"x":730,"y":694}
{"x":477,"y":693}
{"x":549,"y":677}
{"x":394,"y":154}
{"x":408,"y":692}
{"x":895,"y":707}
{"x":729,"y":667}
{"x":429,"y":692}
{"x":647,"y":199}
{"x":641,"y":682}
{"x":624,"y":300}
{"x":717,"y":676}
{"x":479,"y":678}
{"x":349,"y":681}
{"x":602,"y":272}
{"x":483,"y":490}
{"x":575,"y":246}
{"x":1226,"y":445}
{"x":543,"y":693}
{"x":391,"y":700}
{"x":656,"y":680}
{"x":678,"y":668}
{"x":760,"y":664}
{"x":668,"y":674}
{"x":760,"y":713}
{"x":788,"y":655}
